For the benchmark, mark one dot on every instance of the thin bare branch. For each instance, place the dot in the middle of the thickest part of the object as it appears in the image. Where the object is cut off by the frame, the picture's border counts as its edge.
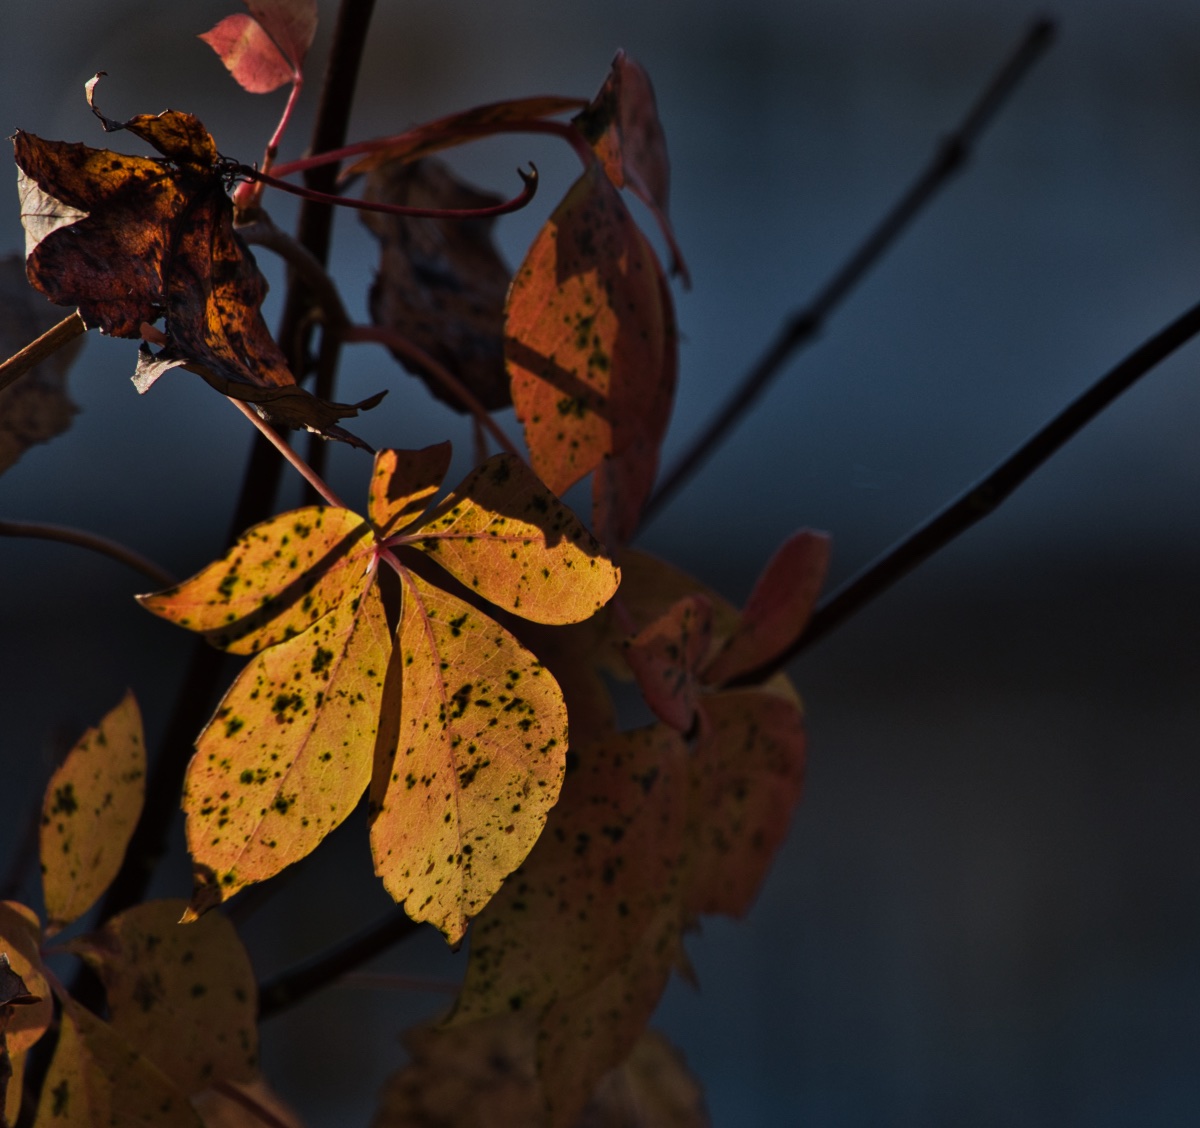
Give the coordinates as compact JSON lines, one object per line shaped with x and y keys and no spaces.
{"x":36,"y":351}
{"x":91,"y":541}
{"x":801,"y":328}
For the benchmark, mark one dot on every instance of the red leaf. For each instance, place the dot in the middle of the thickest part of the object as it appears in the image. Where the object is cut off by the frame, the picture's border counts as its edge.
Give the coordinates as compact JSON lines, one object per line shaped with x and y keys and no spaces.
{"x":666,"y":657}
{"x":778,"y":609}
{"x":623,"y":127}
{"x":291,"y":23}
{"x":249,"y":54}
{"x":587,"y":338}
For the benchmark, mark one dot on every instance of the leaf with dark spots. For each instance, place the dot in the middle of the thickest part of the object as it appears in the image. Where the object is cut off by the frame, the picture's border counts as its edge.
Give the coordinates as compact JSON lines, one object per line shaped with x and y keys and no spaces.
{"x":504,"y":535}
{"x":403,"y":483}
{"x":548,"y":935}
{"x":279,"y":578}
{"x":265,"y":795}
{"x":20,"y":941}
{"x":441,"y":283}
{"x":96,"y":1078}
{"x":455,"y":129}
{"x":90,"y":808}
{"x":35,"y":407}
{"x":474,"y":761}
{"x":778,"y":609}
{"x":747,"y":777}
{"x":194,"y":980}
{"x":587,"y":336}
{"x":666,"y":658}
{"x":622,"y":126}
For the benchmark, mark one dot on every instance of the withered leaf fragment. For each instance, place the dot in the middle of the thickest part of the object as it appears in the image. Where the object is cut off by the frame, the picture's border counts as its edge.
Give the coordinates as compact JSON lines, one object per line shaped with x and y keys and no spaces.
{"x":441,"y":282}
{"x":132,"y":240}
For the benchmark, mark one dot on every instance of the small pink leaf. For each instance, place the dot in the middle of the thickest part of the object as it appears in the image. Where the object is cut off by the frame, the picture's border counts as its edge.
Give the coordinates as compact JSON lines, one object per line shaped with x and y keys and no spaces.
{"x":249,"y":54}
{"x":291,"y":23}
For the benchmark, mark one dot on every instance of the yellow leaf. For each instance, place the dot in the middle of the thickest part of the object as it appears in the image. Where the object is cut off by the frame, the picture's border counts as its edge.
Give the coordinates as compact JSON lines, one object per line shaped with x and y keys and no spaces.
{"x":288,"y":753}
{"x":585,"y":896}
{"x":276,"y":581}
{"x":403,"y":484}
{"x":507,"y":537}
{"x":191,"y":980}
{"x":96,"y":1079}
{"x":20,"y":938}
{"x":89,"y":811}
{"x":479,"y":753}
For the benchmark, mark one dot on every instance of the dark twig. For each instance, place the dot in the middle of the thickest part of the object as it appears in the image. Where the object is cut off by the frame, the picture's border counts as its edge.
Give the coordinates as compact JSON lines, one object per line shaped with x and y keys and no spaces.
{"x":36,"y":351}
{"x":293,"y":986}
{"x":986,"y":496}
{"x":951,"y":155}
{"x":91,"y":541}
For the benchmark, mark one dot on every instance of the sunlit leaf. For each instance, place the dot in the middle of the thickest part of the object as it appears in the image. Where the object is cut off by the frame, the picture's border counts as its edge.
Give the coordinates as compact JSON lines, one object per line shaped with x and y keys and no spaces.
{"x":288,"y":753}
{"x":586,"y":336}
{"x":778,"y":608}
{"x":623,"y":127}
{"x":96,"y":1079}
{"x":583,"y":900}
{"x":36,"y":406}
{"x":277,"y":580}
{"x":238,"y":1104}
{"x":505,"y":536}
{"x":481,"y":1075}
{"x":666,"y":657}
{"x":441,"y":283}
{"x":249,"y":54}
{"x":652,"y":1088}
{"x":748,"y":774}
{"x":191,"y":980}
{"x":20,"y":939}
{"x":403,"y":484}
{"x":479,"y":752}
{"x":446,"y":132}
{"x":91,"y":806}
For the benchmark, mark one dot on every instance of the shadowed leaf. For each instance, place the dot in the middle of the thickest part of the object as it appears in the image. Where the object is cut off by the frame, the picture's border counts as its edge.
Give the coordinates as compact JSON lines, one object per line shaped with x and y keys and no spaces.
{"x":250,"y":1104}
{"x":666,"y":658}
{"x":506,"y":537}
{"x":35,"y":407}
{"x":474,"y":762}
{"x":403,"y":484}
{"x":622,"y":126}
{"x":193,"y":980}
{"x":20,"y":940}
{"x":584,"y":898}
{"x":288,"y":753}
{"x":651,"y":1089}
{"x":778,"y":608}
{"x":277,"y":580}
{"x":91,"y":806}
{"x":95,"y":1078}
{"x":747,"y":777}
{"x":586,"y":336}
{"x":441,"y":283}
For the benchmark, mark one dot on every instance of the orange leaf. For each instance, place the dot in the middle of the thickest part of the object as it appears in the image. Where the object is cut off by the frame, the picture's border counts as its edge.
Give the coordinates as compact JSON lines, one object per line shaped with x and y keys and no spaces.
{"x":623,"y":127}
{"x":583,"y":900}
{"x":778,"y":609}
{"x":403,"y":484}
{"x":505,"y":536}
{"x":586,"y":337}
{"x":747,"y":777}
{"x":92,"y":803}
{"x":473,"y":765}
{"x":666,"y":656}
{"x":193,"y":980}
{"x":20,"y":940}
{"x":249,"y":54}
{"x":95,"y":1078}
{"x":288,"y":753}
{"x":276,"y":581}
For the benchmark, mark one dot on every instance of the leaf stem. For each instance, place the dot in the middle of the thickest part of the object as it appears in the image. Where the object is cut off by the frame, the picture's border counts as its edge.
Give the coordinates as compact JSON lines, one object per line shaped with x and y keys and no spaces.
{"x":292,"y":987}
{"x":36,"y":351}
{"x":91,"y":541}
{"x":381,"y":335}
{"x":951,"y":154}
{"x":987,"y":495}
{"x":280,"y":444}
